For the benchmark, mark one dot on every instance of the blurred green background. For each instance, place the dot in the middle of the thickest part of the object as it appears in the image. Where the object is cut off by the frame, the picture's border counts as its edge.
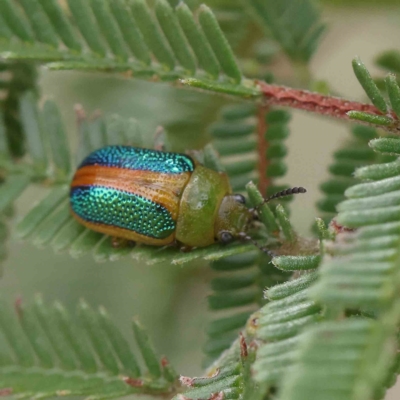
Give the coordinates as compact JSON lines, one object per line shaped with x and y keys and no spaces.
{"x":171,"y":301}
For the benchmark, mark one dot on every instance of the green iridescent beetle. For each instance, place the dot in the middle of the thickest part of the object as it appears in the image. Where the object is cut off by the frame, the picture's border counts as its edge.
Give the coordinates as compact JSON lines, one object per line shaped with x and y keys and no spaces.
{"x":159,"y":198}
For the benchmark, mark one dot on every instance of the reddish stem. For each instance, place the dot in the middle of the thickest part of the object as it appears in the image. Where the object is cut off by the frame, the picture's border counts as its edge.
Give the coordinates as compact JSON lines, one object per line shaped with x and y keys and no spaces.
{"x":315,"y":102}
{"x":262,"y":149}
{"x":6,"y":391}
{"x":135,"y":383}
{"x":243,"y":346}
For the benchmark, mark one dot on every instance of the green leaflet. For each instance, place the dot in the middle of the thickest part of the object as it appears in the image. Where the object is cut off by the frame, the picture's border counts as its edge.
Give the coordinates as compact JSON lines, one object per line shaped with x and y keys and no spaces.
{"x":362,"y":275}
{"x":122,"y":36}
{"x":70,"y":357}
{"x":243,"y":134}
{"x":386,"y":113}
{"x":355,"y":153}
{"x":295,"y":25}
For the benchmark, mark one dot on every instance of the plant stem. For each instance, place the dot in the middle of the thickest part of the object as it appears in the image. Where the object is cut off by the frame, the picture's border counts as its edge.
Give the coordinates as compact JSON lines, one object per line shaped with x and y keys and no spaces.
{"x":322,"y":104}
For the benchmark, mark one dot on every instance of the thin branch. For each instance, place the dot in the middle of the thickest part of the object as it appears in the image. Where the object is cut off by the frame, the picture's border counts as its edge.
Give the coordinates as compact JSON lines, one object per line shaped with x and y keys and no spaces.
{"x":325,"y":105}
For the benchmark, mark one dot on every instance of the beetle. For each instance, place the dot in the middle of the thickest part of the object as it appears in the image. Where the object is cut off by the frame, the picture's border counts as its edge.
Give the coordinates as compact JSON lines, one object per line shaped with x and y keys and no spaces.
{"x":159,"y":198}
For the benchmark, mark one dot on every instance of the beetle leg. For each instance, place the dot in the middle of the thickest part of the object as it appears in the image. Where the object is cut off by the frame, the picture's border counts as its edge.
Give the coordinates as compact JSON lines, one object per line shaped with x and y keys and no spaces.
{"x":186,"y":249}
{"x":182,"y":247}
{"x":118,"y":243}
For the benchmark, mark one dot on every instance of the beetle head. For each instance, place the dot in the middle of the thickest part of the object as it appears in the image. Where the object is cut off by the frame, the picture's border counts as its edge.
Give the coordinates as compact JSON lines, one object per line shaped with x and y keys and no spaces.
{"x":234,"y":219}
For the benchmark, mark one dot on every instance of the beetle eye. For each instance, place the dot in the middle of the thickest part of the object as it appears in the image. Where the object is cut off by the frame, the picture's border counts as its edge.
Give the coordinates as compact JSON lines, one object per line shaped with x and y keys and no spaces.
{"x":240,"y":198}
{"x":226,"y":237}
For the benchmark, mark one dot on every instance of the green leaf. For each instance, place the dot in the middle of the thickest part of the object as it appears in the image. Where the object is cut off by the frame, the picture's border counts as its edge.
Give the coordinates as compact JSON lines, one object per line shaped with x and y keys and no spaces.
{"x":369,"y":85}
{"x":266,"y":215}
{"x":152,"y":33}
{"x":84,"y":19}
{"x":169,"y":23}
{"x":219,"y":43}
{"x":296,"y":263}
{"x":32,"y":331}
{"x":379,"y":171}
{"x":17,"y":341}
{"x":386,"y":145}
{"x":109,"y":28}
{"x":64,"y":363}
{"x":56,"y":133}
{"x":51,"y":224}
{"x":147,"y":349}
{"x":286,"y":289}
{"x":135,"y":33}
{"x":33,"y":131}
{"x":281,"y":323}
{"x":130,"y":31}
{"x":74,"y":339}
{"x":370,"y":118}
{"x":15,"y":21}
{"x":44,"y":32}
{"x":284,"y":223}
{"x":61,"y":24}
{"x":295,"y":25}
{"x":54,"y":334}
{"x":354,"y":153}
{"x":11,"y":189}
{"x":196,"y":38}
{"x":361,"y":273}
{"x":40,"y":211}
{"x":333,"y":368}
{"x":244,"y":288}
{"x":390,"y":60}
{"x":393,"y":90}
{"x":120,"y":345}
{"x":101,"y":347}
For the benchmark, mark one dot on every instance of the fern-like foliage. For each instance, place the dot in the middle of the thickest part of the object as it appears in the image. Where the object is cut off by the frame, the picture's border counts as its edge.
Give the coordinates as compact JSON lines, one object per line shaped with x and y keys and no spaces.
{"x":295,"y":25}
{"x":237,"y":293}
{"x":17,"y":79}
{"x":327,"y":324}
{"x":267,"y":341}
{"x":308,"y":355}
{"x":250,"y":141}
{"x":251,"y":144}
{"x":281,"y":323}
{"x":355,"y":348}
{"x":354,"y":153}
{"x":233,"y":21}
{"x":230,"y":376}
{"x":50,"y":354}
{"x":121,"y":36}
{"x":363,"y":274}
{"x":388,"y":115}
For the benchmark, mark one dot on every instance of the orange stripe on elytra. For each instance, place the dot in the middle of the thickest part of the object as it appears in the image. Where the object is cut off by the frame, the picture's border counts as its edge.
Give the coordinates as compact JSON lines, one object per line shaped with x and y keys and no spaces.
{"x":164,"y":189}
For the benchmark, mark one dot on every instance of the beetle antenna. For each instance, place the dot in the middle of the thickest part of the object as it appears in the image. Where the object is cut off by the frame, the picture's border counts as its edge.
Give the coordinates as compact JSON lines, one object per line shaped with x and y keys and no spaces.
{"x":282,"y":193}
{"x":246,"y":238}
